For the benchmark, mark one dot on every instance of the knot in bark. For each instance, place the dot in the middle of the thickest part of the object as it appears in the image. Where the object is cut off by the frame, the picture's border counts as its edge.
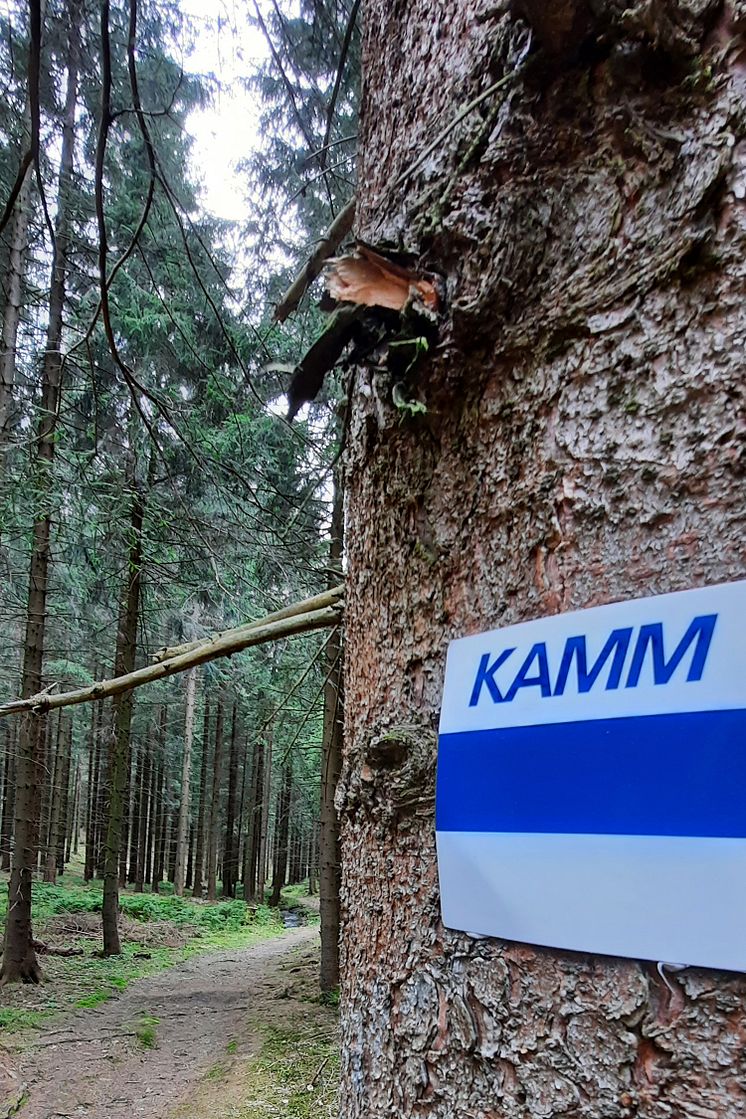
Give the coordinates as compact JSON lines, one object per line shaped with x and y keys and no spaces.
{"x":392,"y":776}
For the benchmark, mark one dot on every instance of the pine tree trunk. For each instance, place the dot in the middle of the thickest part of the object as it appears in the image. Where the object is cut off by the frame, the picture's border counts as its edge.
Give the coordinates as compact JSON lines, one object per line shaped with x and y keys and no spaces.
{"x":253,"y":825}
{"x":62,"y":829}
{"x":160,"y":829}
{"x":186,"y":771}
{"x":120,"y":738}
{"x":199,"y":854}
{"x":134,"y":834}
{"x":266,"y":787}
{"x":282,"y":829}
{"x":16,"y":270}
{"x":230,"y":859}
{"x":213,"y":830}
{"x":19,"y":959}
{"x":55,"y":801}
{"x":579,"y":446}
{"x":9,"y":789}
{"x":331,"y":764}
{"x":145,"y":811}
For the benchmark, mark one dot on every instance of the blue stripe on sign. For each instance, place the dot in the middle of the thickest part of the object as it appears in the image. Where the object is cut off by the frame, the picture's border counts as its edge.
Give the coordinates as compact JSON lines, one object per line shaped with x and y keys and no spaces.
{"x":681,"y":774}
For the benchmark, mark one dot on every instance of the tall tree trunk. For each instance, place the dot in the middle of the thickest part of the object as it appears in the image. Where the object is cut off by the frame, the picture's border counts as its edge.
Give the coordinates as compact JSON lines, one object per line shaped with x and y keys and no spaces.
{"x":56,"y":767}
{"x":199,"y":854}
{"x":253,"y":824}
{"x":230,"y":858}
{"x":160,"y":828}
{"x":579,"y":446}
{"x":9,"y":789}
{"x":120,"y":737}
{"x":136,"y":801}
{"x":15,"y":272}
{"x":186,"y":772}
{"x":145,"y":815}
{"x":19,"y":959}
{"x":214,"y":823}
{"x":282,"y":827}
{"x":261,"y":877}
{"x":64,"y":817}
{"x":73,"y":846}
{"x":331,"y":764}
{"x":93,"y":825}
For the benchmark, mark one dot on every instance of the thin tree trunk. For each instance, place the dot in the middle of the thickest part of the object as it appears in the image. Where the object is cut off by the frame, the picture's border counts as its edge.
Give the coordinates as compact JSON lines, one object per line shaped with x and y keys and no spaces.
{"x":144,"y":801}
{"x":186,"y":771}
{"x":55,"y":799}
{"x":134,"y":832}
{"x":63,"y":825}
{"x":74,"y":836}
{"x":160,"y":828}
{"x":14,"y":277}
{"x":261,"y":878}
{"x":199,"y":854}
{"x":9,"y":788}
{"x":120,"y":738}
{"x":19,"y":958}
{"x":282,"y":826}
{"x":230,"y":858}
{"x":331,"y":765}
{"x":214,"y":824}
{"x":190,"y":859}
{"x":253,"y":824}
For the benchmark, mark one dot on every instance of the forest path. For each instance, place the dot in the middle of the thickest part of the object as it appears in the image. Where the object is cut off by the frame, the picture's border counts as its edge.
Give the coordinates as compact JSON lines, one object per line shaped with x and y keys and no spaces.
{"x":207,"y":1012}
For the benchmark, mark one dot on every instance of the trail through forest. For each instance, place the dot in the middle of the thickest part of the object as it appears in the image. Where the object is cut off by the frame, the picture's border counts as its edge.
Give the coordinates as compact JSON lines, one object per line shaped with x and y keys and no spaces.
{"x":175,"y":1043}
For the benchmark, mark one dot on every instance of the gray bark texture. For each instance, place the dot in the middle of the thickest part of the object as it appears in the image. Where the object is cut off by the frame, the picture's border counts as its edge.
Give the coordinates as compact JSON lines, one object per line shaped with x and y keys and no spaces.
{"x":581,"y":444}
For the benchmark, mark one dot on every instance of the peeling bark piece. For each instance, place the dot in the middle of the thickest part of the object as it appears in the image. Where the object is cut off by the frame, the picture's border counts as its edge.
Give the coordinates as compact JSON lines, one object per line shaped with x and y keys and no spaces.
{"x":322,"y":356}
{"x":371,"y":280}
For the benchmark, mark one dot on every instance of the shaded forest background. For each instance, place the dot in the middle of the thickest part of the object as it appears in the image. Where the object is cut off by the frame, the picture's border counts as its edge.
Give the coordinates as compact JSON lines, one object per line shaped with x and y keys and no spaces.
{"x":152,"y":491}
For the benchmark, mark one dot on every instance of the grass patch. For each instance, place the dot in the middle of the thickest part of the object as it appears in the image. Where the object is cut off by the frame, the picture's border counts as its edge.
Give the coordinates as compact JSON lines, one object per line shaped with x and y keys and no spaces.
{"x":145,"y":1032}
{"x":232,"y":1047}
{"x":94,"y":999}
{"x":14,"y":1018}
{"x":295,"y":1076}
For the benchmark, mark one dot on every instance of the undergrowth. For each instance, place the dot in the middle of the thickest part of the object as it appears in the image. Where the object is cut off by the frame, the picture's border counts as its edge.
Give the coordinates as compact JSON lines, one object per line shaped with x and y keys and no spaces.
{"x":295,"y":1076}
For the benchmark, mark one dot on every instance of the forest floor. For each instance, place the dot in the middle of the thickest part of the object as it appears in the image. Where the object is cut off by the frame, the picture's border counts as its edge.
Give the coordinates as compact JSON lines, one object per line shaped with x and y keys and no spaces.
{"x":226,"y":1033}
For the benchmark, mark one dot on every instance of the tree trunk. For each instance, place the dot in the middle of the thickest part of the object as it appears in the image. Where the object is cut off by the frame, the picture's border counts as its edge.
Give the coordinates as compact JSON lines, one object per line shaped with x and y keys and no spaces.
{"x":266,"y":787}
{"x":55,"y":764}
{"x":134,"y":831}
{"x":16,"y":270}
{"x":145,"y":811}
{"x":19,"y":959}
{"x":214,"y":822}
{"x":160,"y":828}
{"x":9,"y":790}
{"x":253,"y":824}
{"x":186,"y":771}
{"x":64,"y":817}
{"x":331,"y":764}
{"x":120,"y":737}
{"x":230,"y":858}
{"x":579,"y":446}
{"x":199,"y":854}
{"x":282,"y":829}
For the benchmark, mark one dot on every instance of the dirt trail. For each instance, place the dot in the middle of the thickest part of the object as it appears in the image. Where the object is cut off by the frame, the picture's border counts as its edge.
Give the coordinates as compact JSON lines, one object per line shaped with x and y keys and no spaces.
{"x":96,"y":1066}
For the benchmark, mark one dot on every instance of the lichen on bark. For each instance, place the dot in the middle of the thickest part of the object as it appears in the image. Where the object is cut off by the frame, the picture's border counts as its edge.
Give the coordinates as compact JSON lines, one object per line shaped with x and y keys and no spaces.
{"x":582,"y":443}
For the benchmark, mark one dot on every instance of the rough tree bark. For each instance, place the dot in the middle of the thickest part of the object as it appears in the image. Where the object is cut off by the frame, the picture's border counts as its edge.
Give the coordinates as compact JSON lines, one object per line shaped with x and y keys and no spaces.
{"x":580,"y":445}
{"x":19,"y":959}
{"x":186,"y":773}
{"x":331,"y":764}
{"x":282,"y":830}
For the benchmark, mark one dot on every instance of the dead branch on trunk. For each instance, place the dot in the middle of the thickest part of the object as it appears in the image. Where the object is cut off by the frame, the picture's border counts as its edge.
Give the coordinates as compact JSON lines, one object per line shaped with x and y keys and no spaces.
{"x":326,"y":247}
{"x":317,"y":602}
{"x":223,"y":645}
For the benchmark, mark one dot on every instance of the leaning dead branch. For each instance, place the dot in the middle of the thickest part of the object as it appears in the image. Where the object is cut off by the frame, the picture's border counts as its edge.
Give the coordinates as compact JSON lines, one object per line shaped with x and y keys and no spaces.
{"x":326,"y":248}
{"x":233,"y":641}
{"x":317,"y":602}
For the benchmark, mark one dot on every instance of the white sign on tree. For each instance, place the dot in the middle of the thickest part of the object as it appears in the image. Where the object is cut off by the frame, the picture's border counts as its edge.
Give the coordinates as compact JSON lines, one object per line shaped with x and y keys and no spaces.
{"x":591,"y":788}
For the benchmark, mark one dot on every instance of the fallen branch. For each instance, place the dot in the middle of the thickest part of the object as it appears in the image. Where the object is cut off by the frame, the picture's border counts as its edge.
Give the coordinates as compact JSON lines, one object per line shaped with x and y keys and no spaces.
{"x":50,"y":950}
{"x":326,"y":247}
{"x":225,"y":645}
{"x":326,"y":598}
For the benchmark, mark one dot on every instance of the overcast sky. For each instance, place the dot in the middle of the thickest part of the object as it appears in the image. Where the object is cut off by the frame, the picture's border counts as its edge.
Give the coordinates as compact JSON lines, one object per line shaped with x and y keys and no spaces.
{"x":229,"y":48}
